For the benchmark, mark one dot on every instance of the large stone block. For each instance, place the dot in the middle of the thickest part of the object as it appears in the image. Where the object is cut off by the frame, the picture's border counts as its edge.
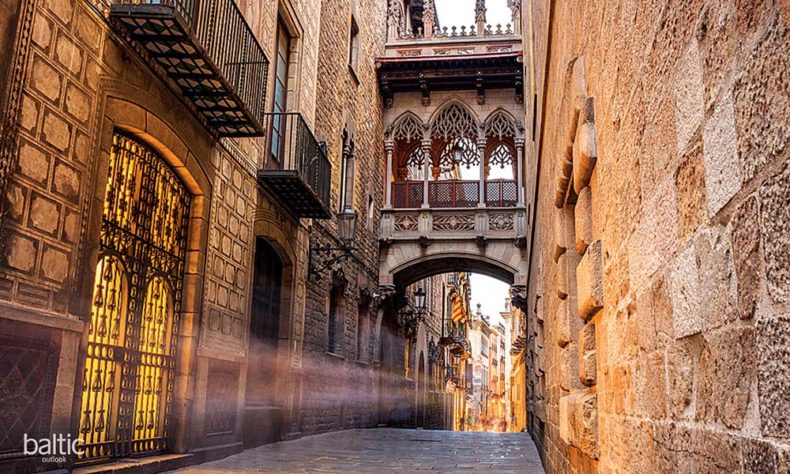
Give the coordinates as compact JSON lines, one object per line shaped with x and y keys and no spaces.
{"x":690,"y":185}
{"x":569,"y":367}
{"x":681,"y":362}
{"x":583,"y":220}
{"x":774,"y":225}
{"x":78,"y":103}
{"x":747,"y":257}
{"x":725,"y":374}
{"x":579,"y":422}
{"x":21,"y":252}
{"x":589,"y":281}
{"x":716,"y":277}
{"x":568,"y":324}
{"x":684,"y":278}
{"x":773,"y":377}
{"x":69,"y":54}
{"x":722,"y":171}
{"x":54,"y":264}
{"x":762,"y":104}
{"x":44,"y":214}
{"x":588,"y":371}
{"x":66,"y":181}
{"x":585,"y":152}
{"x":33,"y":163}
{"x":689,"y":97}
{"x":57,"y":132}
{"x":46,"y":79}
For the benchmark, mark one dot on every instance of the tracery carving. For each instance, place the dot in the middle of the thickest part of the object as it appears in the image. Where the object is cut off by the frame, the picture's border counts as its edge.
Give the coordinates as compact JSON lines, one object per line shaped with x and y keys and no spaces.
{"x":501,"y":222}
{"x":406,"y":223}
{"x":500,"y":125}
{"x":408,"y":128}
{"x":502,"y":156}
{"x":459,"y":151}
{"x":454,"y":121}
{"x":454,"y":223}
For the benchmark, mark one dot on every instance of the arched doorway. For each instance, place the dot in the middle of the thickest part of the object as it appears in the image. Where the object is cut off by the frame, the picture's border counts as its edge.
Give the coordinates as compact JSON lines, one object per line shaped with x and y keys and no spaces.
{"x":262,"y":414}
{"x":135,"y":308}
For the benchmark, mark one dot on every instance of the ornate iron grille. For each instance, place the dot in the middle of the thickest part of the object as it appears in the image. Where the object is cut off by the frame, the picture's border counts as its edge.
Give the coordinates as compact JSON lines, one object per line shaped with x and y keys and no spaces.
{"x":407,"y":194}
{"x":128,"y":377}
{"x":501,"y":193}
{"x":453,"y":193}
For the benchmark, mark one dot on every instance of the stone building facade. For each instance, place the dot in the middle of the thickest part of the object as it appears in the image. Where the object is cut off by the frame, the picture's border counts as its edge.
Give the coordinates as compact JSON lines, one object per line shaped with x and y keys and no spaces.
{"x":162,"y":288}
{"x":657,"y":334}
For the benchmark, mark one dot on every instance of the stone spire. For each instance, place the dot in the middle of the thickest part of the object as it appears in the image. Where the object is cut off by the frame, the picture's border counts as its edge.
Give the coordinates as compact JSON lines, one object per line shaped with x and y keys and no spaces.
{"x":480,"y":15}
{"x":515,"y":15}
{"x":395,"y":20}
{"x":429,"y":18}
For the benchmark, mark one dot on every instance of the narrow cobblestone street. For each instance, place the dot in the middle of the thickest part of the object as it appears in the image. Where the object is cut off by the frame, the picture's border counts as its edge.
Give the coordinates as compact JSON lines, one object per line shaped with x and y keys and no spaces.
{"x":387,"y":450}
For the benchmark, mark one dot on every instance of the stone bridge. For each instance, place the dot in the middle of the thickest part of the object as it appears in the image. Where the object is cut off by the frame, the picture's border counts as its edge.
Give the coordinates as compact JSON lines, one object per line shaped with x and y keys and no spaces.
{"x":417,"y":243}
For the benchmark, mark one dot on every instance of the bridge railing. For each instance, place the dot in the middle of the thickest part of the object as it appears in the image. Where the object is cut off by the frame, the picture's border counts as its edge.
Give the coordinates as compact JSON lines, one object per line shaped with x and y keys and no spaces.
{"x":453,"y":194}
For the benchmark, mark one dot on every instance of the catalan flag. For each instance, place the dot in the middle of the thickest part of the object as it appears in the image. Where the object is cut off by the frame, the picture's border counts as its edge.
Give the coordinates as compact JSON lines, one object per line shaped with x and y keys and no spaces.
{"x":458,"y":310}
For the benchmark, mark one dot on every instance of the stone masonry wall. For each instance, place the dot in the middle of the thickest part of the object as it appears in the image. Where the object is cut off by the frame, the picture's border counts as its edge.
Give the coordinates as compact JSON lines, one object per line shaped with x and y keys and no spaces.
{"x":340,"y":389}
{"x":660,"y":289}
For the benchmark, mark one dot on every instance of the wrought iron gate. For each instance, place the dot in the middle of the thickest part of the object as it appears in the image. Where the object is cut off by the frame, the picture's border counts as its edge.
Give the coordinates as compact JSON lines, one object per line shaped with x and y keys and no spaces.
{"x":128,"y":378}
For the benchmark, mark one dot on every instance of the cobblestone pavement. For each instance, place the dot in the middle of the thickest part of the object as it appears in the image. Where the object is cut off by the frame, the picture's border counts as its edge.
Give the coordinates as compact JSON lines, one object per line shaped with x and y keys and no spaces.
{"x":387,"y":450}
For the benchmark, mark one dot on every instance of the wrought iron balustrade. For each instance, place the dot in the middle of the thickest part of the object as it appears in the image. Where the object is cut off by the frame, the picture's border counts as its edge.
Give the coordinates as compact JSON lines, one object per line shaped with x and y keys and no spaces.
{"x":296,"y":168}
{"x":448,"y":194}
{"x":407,"y":194}
{"x":501,"y":193}
{"x":208,"y":49}
{"x":453,"y":193}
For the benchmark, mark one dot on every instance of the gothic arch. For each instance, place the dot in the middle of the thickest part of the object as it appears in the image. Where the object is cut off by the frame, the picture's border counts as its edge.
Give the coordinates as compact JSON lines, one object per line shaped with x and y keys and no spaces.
{"x":407,"y":128}
{"x":452,"y":119}
{"x":502,"y":124}
{"x":407,"y":270}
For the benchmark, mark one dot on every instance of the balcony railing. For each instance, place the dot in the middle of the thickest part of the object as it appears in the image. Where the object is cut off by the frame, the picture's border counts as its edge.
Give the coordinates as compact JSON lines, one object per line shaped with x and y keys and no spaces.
{"x":501,"y":193}
{"x":407,"y":194}
{"x":207,"y":48}
{"x":296,"y":168}
{"x":454,"y":194}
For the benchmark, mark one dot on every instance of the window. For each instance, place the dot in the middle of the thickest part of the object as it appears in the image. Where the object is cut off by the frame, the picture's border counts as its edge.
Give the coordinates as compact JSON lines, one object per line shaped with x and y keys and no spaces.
{"x":353,"y":53}
{"x":279,"y":102}
{"x":335,"y":320}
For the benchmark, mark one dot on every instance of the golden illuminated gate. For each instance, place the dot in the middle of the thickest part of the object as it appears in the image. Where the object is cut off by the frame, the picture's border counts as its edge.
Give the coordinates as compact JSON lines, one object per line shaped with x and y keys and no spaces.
{"x":128,"y":378}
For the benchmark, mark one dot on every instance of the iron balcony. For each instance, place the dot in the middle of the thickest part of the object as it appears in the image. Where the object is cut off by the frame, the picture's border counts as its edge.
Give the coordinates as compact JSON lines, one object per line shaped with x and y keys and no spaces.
{"x":296,"y":169}
{"x":208,"y":50}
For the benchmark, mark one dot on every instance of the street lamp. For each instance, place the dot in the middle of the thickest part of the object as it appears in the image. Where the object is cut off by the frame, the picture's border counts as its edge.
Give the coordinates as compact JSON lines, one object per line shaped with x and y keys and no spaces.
{"x":419,"y":299}
{"x":346,"y":229}
{"x":347,"y":226}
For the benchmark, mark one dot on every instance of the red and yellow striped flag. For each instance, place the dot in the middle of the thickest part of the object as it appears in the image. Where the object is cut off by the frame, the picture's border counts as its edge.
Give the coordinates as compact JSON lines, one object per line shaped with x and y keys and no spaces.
{"x":458,"y":311}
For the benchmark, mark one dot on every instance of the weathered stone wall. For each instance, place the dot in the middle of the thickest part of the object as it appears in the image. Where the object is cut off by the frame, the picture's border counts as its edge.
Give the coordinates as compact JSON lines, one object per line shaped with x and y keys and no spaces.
{"x":658,"y":298}
{"x":341,"y":390}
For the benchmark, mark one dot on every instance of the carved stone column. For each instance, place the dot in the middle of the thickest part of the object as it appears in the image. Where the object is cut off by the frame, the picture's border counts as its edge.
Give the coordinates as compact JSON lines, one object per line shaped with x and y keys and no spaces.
{"x":427,"y":164}
{"x":389,"y":145}
{"x":520,"y":170}
{"x":481,"y":150}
